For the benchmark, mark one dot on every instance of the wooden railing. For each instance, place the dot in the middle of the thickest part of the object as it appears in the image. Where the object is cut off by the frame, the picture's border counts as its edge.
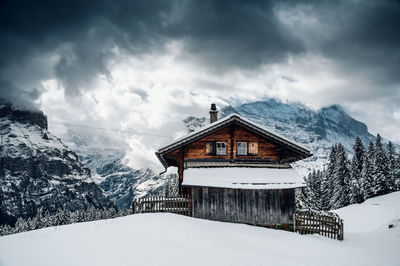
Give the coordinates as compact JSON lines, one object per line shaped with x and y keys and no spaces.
{"x":308,"y":221}
{"x":181,"y":204}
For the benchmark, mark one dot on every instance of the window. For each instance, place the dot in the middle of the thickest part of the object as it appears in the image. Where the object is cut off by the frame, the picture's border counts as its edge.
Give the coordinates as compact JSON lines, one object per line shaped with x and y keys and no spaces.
{"x":221,"y":148}
{"x":253,"y":148}
{"x":210,"y":148}
{"x":242,"y":148}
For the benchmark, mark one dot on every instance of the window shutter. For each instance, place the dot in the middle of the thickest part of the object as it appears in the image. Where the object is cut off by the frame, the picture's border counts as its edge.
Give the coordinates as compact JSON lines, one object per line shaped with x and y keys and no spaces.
{"x":253,"y":147}
{"x":210,"y":148}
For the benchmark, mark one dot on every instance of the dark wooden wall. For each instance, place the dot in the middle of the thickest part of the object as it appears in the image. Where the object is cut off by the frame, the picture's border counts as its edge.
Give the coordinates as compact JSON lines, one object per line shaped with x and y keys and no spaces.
{"x":231,"y":135}
{"x":251,"y":206}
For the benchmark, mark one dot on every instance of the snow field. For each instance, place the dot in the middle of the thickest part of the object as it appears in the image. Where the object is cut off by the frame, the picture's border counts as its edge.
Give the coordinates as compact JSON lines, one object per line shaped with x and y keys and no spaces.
{"x":168,"y":239}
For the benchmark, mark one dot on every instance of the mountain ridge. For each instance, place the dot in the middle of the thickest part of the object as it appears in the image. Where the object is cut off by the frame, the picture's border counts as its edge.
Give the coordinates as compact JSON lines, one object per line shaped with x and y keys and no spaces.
{"x":38,"y":172}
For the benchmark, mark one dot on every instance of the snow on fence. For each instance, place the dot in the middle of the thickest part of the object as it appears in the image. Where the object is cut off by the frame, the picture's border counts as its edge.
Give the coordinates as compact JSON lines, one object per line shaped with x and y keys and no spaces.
{"x":181,"y":204}
{"x":308,"y":221}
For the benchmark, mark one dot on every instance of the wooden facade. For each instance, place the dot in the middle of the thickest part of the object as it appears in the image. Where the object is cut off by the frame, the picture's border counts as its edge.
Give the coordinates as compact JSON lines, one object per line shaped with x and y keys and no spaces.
{"x":250,"y":206}
{"x":246,"y":145}
{"x":232,"y":136}
{"x":267,"y":152}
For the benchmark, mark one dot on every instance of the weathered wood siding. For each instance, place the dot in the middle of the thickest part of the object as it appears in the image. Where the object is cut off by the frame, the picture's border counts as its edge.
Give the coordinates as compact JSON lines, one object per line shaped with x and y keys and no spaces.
{"x":258,"y":207}
{"x":232,"y":135}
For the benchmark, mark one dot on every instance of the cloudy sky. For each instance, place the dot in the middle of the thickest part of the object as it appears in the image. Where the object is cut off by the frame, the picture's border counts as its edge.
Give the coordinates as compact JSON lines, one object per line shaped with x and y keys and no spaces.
{"x":145,"y":65}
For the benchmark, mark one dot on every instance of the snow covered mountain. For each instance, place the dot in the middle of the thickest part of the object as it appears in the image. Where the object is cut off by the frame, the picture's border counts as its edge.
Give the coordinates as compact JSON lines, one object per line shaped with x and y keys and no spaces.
{"x":316,"y":130}
{"x":104,"y":154}
{"x":122,"y":183}
{"x":37,"y":171}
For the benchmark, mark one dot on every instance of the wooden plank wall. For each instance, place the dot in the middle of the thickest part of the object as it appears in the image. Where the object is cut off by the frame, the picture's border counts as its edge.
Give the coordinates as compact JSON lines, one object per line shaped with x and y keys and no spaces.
{"x":232,"y":135}
{"x":258,"y":207}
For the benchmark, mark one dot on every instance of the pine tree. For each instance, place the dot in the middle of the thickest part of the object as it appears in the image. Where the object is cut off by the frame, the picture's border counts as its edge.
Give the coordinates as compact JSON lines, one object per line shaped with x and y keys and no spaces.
{"x":6,"y":229}
{"x":327,"y":181}
{"x":312,"y":190}
{"x":356,"y":188}
{"x":39,"y":219}
{"x":368,"y":175}
{"x":341,"y":177}
{"x":21,"y":225}
{"x":381,"y":166}
{"x":326,"y":188}
{"x":80,"y":216}
{"x":368,"y":172}
{"x":113,"y":213}
{"x":397,"y":172}
{"x":98,"y":214}
{"x":391,"y":154}
{"x":31,"y":223}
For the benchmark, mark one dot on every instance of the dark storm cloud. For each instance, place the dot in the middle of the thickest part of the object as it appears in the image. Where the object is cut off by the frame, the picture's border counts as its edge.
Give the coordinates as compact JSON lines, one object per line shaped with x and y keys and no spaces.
{"x":226,"y":34}
{"x":81,"y":33}
{"x":365,"y":36}
{"x":23,"y":98}
{"x":219,"y":34}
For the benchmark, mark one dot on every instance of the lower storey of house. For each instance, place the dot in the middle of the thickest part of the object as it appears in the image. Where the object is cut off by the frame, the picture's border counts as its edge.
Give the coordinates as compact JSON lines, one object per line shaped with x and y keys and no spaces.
{"x":266,"y":207}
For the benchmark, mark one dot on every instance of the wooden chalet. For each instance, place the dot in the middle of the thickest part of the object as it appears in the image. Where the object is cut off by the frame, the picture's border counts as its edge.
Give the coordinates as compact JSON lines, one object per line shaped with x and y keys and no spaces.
{"x":237,"y":171}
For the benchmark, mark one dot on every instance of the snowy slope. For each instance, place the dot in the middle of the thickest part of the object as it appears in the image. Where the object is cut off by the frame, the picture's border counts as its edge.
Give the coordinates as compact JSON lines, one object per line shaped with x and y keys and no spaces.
{"x":168,"y":239}
{"x":374,"y":214}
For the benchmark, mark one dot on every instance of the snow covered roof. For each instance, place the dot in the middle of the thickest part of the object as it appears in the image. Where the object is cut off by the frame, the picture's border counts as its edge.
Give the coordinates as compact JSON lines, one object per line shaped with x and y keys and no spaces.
{"x":244,"y":178}
{"x":221,"y":123}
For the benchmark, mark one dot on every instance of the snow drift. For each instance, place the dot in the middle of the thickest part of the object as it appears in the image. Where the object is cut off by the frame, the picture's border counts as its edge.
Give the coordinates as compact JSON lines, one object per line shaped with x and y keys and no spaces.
{"x":168,"y":239}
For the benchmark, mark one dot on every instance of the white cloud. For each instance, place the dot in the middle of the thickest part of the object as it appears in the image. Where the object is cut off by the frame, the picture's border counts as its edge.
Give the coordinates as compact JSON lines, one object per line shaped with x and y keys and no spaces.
{"x":153,"y":93}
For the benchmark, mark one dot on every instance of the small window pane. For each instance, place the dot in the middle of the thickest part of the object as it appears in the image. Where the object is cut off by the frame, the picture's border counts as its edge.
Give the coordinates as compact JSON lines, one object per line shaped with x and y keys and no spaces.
{"x":242,"y":148}
{"x":253,"y":148}
{"x":221,"y":148}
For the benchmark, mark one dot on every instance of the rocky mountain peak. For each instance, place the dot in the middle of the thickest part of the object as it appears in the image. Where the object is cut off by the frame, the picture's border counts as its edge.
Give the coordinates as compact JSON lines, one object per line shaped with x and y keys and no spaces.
{"x":25,"y":117}
{"x":38,"y":172}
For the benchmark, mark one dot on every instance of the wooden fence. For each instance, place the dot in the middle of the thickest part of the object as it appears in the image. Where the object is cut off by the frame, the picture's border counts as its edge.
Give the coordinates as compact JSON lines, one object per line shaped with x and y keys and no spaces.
{"x":308,"y":221}
{"x":181,"y":204}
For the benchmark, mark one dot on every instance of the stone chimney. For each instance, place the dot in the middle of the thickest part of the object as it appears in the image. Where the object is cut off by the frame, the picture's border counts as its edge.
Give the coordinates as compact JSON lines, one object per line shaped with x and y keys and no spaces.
{"x":213,"y":113}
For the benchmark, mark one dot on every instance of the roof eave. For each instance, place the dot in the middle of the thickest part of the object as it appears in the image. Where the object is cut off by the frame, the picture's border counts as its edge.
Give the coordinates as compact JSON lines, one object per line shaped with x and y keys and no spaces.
{"x":163,"y":162}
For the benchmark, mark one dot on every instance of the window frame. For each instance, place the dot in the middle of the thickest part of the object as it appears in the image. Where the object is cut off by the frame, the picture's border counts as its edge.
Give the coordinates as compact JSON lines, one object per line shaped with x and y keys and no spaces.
{"x":216,"y":148}
{"x":246,"y":152}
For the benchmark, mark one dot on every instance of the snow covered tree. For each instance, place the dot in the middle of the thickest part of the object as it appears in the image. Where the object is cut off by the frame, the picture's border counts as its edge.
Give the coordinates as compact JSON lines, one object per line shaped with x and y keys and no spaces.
{"x":6,"y":229}
{"x":327,"y":181}
{"x":21,"y":225}
{"x":171,"y":188}
{"x":313,"y":190}
{"x":39,"y":219}
{"x":341,"y":177}
{"x":391,"y":155}
{"x":31,"y":223}
{"x":381,"y":166}
{"x":368,"y":172}
{"x":326,"y":191}
{"x":356,"y":186}
{"x":397,"y":172}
